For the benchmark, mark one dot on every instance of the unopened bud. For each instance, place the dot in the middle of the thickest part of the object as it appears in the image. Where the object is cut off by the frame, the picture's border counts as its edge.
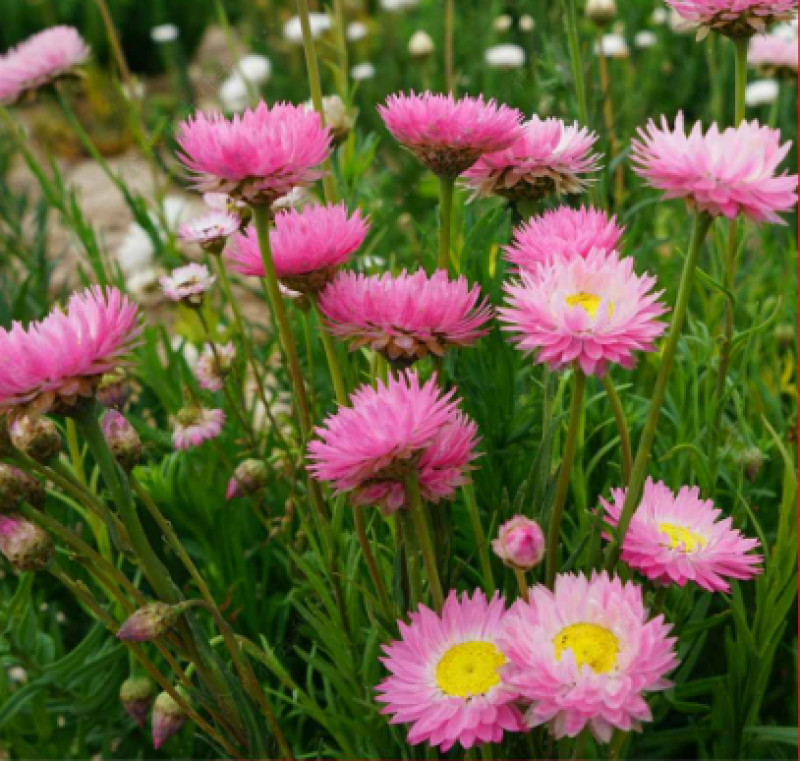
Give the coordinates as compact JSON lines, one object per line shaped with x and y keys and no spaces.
{"x":27,"y":547}
{"x":168,"y":718}
{"x":114,"y":390}
{"x":751,"y":460}
{"x":421,"y":45}
{"x":122,"y":440}
{"x":136,"y":695}
{"x":149,"y":622}
{"x":37,"y":436}
{"x":520,"y":543}
{"x":601,"y":11}
{"x":785,"y":334}
{"x":249,"y":477}
{"x":33,"y":490}
{"x":11,"y":488}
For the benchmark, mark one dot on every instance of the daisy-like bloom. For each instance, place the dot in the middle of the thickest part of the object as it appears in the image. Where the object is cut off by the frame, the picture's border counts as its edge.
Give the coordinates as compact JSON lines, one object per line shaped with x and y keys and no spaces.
{"x":446,"y":677}
{"x":308,"y":246}
{"x":214,"y":365}
{"x":194,"y":425}
{"x":675,"y":539}
{"x":40,"y":60}
{"x":447,"y":135}
{"x":774,"y":55}
{"x":562,"y":233}
{"x":589,"y":311}
{"x":52,"y":363}
{"x":258,"y":155}
{"x":210,"y":231}
{"x":722,"y":173}
{"x":734,"y":18}
{"x":549,"y":157}
{"x":405,"y":317}
{"x":586,"y":654}
{"x":188,"y":284}
{"x":392,"y":431}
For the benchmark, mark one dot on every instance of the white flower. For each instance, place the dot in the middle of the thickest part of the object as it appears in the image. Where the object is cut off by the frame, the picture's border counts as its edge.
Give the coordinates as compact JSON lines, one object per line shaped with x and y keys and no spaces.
{"x":136,"y":251}
{"x":761,"y":92}
{"x":176,"y":210}
{"x":164,"y":33}
{"x":526,"y":23}
{"x":144,"y":285}
{"x":396,"y":6}
{"x":601,"y":11}
{"x":502,"y":23}
{"x":233,"y":93}
{"x":362,"y":71}
{"x":254,"y":68}
{"x":659,"y":16}
{"x":293,"y":31}
{"x":420,"y":45}
{"x":508,"y":56}
{"x":612,"y":46}
{"x":356,"y":31}
{"x":645,"y":39}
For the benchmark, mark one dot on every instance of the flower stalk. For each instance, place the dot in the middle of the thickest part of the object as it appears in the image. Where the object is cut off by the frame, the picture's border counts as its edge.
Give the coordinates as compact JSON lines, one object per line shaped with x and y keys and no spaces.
{"x":416,"y":508}
{"x":446,"y":188}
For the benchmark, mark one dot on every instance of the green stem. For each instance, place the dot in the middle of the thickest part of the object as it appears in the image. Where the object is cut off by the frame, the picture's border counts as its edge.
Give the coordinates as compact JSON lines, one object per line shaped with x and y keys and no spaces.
{"x":615,"y":746}
{"x":564,"y":474}
{"x":480,"y":537}
{"x":622,"y":427}
{"x":574,"y":45}
{"x":341,"y":49}
{"x":415,"y":506}
{"x":369,"y":559}
{"x":449,"y":46}
{"x":702,"y":223}
{"x":740,"y":48}
{"x":446,"y":186}
{"x":333,"y":359}
{"x":406,"y":528}
{"x":522,"y":584}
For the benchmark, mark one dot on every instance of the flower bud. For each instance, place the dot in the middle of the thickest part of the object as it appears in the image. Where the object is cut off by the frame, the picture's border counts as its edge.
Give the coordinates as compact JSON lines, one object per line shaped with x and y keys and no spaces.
{"x":37,"y":436}
{"x":421,"y":45}
{"x":526,"y":23}
{"x":751,"y":460}
{"x":27,"y":547}
{"x":520,"y":543}
{"x":11,"y":491}
{"x":338,"y":118}
{"x":149,"y":622}
{"x":601,"y":11}
{"x":33,"y":490}
{"x":167,"y":719}
{"x":785,"y":334}
{"x":122,"y":440}
{"x":249,"y":477}
{"x":136,"y":695}
{"x":114,"y":390}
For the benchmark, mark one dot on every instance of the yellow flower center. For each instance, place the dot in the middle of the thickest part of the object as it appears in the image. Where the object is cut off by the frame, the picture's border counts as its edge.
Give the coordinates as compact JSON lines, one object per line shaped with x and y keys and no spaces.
{"x":680,"y":538}
{"x":591,"y":644}
{"x":588,"y":302}
{"x":469,"y":669}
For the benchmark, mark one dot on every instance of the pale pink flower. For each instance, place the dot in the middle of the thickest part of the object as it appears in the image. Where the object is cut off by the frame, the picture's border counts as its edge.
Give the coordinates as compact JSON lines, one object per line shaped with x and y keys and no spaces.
{"x":678,"y":538}
{"x":167,"y":719}
{"x":734,"y":18}
{"x":258,"y":155}
{"x":223,"y":202}
{"x":774,"y":54}
{"x":214,"y":365}
{"x":188,"y":284}
{"x":589,"y":311}
{"x":308,"y":246}
{"x":586,"y":655}
{"x":446,"y":675}
{"x":520,"y":543}
{"x":392,"y":431}
{"x":39,"y":60}
{"x":405,"y":317}
{"x":211,"y":230}
{"x":562,"y":233}
{"x":54,"y":362}
{"x":194,"y":425}
{"x":549,"y":157}
{"x":722,"y":173}
{"x":446,"y":134}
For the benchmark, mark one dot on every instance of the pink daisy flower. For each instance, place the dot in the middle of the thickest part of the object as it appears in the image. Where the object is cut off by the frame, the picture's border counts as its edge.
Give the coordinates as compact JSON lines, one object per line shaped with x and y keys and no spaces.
{"x":449,"y":135}
{"x":258,"y":155}
{"x":211,"y":230}
{"x":774,"y":54}
{"x":520,"y":543}
{"x":39,"y":60}
{"x":722,"y":173}
{"x":188,"y":284}
{"x":391,"y":431}
{"x":734,"y":18}
{"x":308,"y":246}
{"x":590,"y":311}
{"x":195,"y":425}
{"x":50,"y":364}
{"x":679,"y":538}
{"x":562,"y":233}
{"x":585,"y":654}
{"x":214,"y":365}
{"x":446,"y":676}
{"x":549,"y":157}
{"x":405,"y":317}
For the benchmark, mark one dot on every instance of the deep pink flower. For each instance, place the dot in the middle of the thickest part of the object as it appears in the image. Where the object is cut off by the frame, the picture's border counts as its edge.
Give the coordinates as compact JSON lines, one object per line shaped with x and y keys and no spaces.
{"x":194,"y":426}
{"x":257,"y":155}
{"x":446,"y":675}
{"x":520,"y":543}
{"x":562,"y":233}
{"x":549,"y":157}
{"x":590,"y":311}
{"x":308,"y":246}
{"x":407,"y":316}
{"x":39,"y":60}
{"x":723,"y":173}
{"x":392,"y":431}
{"x":585,"y":655}
{"x":774,"y":54}
{"x":448,"y":135}
{"x":211,"y":230}
{"x":679,"y":538}
{"x":214,"y":365}
{"x":734,"y":18}
{"x":188,"y":284}
{"x":64,"y":356}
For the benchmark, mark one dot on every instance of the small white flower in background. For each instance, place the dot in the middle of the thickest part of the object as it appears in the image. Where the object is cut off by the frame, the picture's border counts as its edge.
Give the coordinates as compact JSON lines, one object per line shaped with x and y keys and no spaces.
{"x":502,"y":23}
{"x":356,"y":31}
{"x":188,"y":284}
{"x":645,"y":39}
{"x":187,"y":350}
{"x":136,"y":250}
{"x":254,"y":68}
{"x":296,"y":198}
{"x":659,"y":16}
{"x":337,"y":117}
{"x":293,"y":31}
{"x":601,"y":11}
{"x":164,"y":33}
{"x":223,"y":202}
{"x":787,"y":31}
{"x":18,"y":674}
{"x":680,"y":25}
{"x":526,"y":23}
{"x":762,"y":92}
{"x":508,"y":56}
{"x":396,"y":6}
{"x":421,"y":45}
{"x":612,"y":46}
{"x":144,"y":285}
{"x":175,"y":211}
{"x":362,"y":71}
{"x":233,"y":94}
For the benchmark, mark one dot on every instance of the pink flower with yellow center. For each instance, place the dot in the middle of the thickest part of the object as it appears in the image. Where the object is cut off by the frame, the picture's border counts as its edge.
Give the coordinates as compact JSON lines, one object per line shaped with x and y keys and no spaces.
{"x":678,"y":538}
{"x":446,"y":675}
{"x":734,"y":18}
